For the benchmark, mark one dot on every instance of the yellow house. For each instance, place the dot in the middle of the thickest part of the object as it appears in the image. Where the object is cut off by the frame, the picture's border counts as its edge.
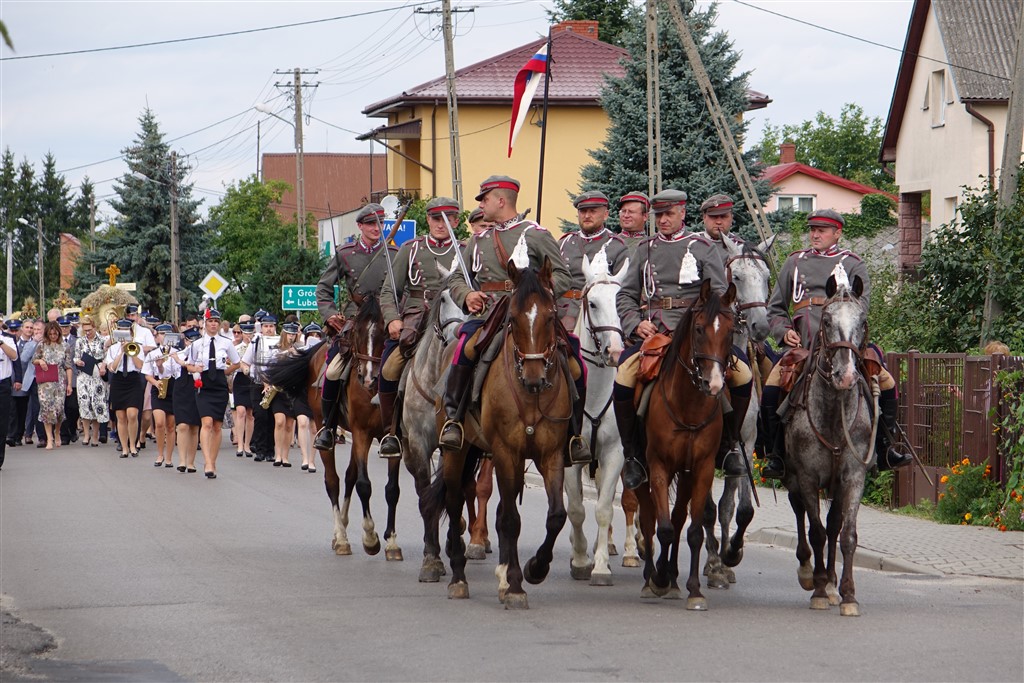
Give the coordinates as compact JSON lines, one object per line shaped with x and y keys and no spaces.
{"x":419,"y":161}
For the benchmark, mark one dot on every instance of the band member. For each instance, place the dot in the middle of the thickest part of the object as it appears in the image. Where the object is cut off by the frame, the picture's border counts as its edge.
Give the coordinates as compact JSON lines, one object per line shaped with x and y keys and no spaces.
{"x":283,"y":408}
{"x":158,"y":370}
{"x":124,"y":363}
{"x":213,"y":356}
{"x":254,"y":362}
{"x":240,"y":385}
{"x":313,"y":334}
{"x":183,"y":402}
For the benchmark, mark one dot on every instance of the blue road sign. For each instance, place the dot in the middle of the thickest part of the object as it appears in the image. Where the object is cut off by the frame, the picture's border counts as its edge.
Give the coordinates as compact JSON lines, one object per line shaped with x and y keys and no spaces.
{"x":406,"y":231}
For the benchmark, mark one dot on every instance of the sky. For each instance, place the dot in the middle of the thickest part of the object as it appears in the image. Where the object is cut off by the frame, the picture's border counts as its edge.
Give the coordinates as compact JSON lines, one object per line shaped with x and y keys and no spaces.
{"x":84,"y":107}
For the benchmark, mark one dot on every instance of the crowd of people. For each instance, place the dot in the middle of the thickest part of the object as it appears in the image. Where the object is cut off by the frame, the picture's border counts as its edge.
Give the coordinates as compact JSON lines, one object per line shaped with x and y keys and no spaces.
{"x":138,"y":379}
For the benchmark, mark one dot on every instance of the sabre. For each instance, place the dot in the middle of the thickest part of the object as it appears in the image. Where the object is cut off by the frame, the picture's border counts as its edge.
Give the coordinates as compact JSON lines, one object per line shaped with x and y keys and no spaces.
{"x":458,"y":252}
{"x":387,"y":256}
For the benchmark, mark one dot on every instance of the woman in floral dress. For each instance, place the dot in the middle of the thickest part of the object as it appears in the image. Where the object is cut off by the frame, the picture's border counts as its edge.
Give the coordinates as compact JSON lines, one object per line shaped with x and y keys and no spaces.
{"x":53,"y":351}
{"x":93,"y":390}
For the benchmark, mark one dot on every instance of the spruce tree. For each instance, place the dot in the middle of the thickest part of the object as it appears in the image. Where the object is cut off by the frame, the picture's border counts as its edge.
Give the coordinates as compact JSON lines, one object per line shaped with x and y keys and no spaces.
{"x":692,"y":156}
{"x":54,"y":206}
{"x":24,"y":204}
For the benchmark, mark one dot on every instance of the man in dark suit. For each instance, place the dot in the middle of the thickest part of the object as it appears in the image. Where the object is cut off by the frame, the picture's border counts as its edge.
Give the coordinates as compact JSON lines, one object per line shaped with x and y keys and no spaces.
{"x":69,"y":428}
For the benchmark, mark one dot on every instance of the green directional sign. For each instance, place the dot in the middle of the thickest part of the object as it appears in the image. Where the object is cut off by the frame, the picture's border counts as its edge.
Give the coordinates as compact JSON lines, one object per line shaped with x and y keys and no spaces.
{"x":301,"y":297}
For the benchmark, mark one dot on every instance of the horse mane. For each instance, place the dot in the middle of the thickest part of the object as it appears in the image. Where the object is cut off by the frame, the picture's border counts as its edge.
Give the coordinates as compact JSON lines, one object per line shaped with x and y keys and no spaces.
{"x":527,"y":285}
{"x":289,"y":370}
{"x":711,"y":308}
{"x":369,"y":310}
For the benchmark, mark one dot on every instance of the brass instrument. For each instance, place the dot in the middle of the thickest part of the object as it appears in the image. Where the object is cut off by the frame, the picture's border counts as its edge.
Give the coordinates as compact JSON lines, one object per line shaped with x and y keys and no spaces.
{"x":162,"y":390}
{"x":132,"y":349}
{"x":268,"y":397}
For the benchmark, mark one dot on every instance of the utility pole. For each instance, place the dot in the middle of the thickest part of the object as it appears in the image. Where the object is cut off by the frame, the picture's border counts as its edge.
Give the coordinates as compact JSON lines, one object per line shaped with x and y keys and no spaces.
{"x":175,"y":265}
{"x":653,"y":103}
{"x":10,"y":272}
{"x":92,"y":230}
{"x":1008,"y":176}
{"x":42,"y":279}
{"x":300,"y":180}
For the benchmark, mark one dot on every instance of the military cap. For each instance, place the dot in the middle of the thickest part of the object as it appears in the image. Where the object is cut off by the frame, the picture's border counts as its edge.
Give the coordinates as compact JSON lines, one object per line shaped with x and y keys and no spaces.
{"x":260,"y":315}
{"x":247,"y":328}
{"x":124,"y":324}
{"x":439,"y":205}
{"x":476,"y":214}
{"x":73,"y":317}
{"x":635,"y":197}
{"x":63,"y":321}
{"x":370,"y":213}
{"x":825,"y":218}
{"x":152,"y":320}
{"x":496,"y":182}
{"x":211,"y":314}
{"x":290,"y":328}
{"x":13,"y":324}
{"x":717,"y":205}
{"x":131,"y":308}
{"x":312,"y":328}
{"x":268,"y":319}
{"x":591,"y":199}
{"x":192,"y":334}
{"x":666,"y":199}
{"x":163,"y":328}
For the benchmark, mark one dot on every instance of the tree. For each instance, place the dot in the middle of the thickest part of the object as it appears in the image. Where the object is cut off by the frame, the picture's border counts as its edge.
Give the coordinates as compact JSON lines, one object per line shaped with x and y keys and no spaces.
{"x":55,"y":208}
{"x":281,"y":264}
{"x":138,"y":242}
{"x":692,"y":156}
{"x":847,"y":147}
{"x":23,"y":204}
{"x":613,"y":16}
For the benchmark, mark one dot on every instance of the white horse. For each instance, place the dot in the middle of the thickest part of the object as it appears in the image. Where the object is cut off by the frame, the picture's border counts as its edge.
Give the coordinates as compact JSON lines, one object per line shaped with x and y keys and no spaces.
{"x":748,"y":270}
{"x":599,"y":330}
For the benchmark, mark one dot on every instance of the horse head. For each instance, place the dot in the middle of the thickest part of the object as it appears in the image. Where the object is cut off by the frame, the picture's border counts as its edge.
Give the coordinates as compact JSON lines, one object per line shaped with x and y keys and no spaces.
{"x":747,"y":268}
{"x":368,"y":341}
{"x":708,"y":334}
{"x":598,"y":324}
{"x":843,"y":332}
{"x":532,"y":320}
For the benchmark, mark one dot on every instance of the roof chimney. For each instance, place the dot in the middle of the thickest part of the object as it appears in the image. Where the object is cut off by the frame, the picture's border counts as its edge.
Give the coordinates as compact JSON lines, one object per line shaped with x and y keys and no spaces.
{"x":787,"y":153}
{"x":586,"y":28}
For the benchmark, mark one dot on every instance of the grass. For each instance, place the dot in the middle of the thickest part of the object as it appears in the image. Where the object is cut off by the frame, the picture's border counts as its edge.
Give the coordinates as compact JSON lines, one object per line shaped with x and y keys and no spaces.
{"x":923,"y":509}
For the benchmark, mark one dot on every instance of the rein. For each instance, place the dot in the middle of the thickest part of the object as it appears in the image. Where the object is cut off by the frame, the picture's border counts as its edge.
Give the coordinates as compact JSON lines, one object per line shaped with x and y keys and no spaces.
{"x":597,"y":355}
{"x":696,"y":378}
{"x":753,"y":256}
{"x":548,"y":356}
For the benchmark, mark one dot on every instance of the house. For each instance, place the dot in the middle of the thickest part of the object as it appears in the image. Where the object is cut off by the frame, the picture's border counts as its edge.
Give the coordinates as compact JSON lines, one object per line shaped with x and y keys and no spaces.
{"x":946,"y":123}
{"x":417,"y":123}
{"x":803,"y":188}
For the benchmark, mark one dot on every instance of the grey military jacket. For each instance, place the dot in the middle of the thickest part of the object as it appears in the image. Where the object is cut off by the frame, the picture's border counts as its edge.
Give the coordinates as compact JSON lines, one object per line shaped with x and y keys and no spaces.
{"x":664,"y":277}
{"x":574,"y":246}
{"x":360,"y":269}
{"x":418,"y":276}
{"x":720,"y":248}
{"x":632,"y":240}
{"x":487,"y":268}
{"x":801,"y":284}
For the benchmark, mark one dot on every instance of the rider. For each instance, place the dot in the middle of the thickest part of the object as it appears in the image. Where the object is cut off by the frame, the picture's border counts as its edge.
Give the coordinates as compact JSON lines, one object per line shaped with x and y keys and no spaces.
{"x":633,"y":210}
{"x":663,"y":280}
{"x":801,"y":283}
{"x":486,"y":256}
{"x":361,"y":267}
{"x":717,"y":215}
{"x":420,"y":271}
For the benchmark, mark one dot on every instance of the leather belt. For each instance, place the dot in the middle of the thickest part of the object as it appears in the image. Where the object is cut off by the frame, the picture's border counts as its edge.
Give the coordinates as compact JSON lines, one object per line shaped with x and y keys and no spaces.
{"x":573,"y":294}
{"x":425,"y":294}
{"x":668,"y":303}
{"x":357,"y":298}
{"x":809,"y":301}
{"x":500,"y":286}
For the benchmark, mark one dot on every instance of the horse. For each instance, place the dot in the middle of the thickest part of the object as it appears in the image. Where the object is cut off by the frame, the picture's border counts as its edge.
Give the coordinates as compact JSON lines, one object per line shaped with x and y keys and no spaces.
{"x":830,"y":437}
{"x":600,"y":335}
{"x":747,"y":268}
{"x":529,"y":370}
{"x":301,"y":372}
{"x":683,"y":428}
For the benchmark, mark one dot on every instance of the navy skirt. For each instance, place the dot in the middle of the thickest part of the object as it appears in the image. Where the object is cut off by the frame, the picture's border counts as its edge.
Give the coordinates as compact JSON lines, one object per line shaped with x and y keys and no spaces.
{"x":165,"y":404}
{"x":126,"y":391}
{"x":240,"y":390}
{"x":212,"y":397}
{"x":183,"y":401}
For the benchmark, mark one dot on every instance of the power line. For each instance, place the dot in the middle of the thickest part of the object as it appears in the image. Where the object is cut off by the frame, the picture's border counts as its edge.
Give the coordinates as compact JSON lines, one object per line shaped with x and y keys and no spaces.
{"x":214,"y":35}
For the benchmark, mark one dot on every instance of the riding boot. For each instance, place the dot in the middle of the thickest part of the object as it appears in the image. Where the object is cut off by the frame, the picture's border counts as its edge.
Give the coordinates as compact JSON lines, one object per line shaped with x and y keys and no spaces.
{"x":578,"y":452}
{"x":634,"y":471}
{"x":775,"y":435}
{"x":729,"y":457}
{"x":324,"y":440}
{"x":390,"y":446}
{"x":455,"y":401}
{"x":888,"y":457}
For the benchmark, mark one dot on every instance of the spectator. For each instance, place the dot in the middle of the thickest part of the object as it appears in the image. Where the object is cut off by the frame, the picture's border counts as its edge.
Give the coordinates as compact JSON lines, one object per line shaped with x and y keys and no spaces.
{"x":93,"y":392}
{"x":53,"y":373}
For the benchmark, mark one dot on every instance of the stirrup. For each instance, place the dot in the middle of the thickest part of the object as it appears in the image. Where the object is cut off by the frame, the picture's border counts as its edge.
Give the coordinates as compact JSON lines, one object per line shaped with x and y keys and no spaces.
{"x":578,"y":452}
{"x":390,"y":447}
{"x":732,"y":466}
{"x":324,"y":440}
{"x":449,"y":428}
{"x":893,"y":459}
{"x":775,"y":468}
{"x":634,"y":474}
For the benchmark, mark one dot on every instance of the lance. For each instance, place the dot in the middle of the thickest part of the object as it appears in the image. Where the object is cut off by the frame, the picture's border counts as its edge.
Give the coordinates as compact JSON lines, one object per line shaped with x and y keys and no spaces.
{"x":458,"y":252}
{"x":387,"y":256}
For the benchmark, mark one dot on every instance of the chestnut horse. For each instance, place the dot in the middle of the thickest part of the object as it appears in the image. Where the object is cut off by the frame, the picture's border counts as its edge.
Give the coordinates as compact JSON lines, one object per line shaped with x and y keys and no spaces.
{"x":525,"y":407}
{"x":683,"y":428}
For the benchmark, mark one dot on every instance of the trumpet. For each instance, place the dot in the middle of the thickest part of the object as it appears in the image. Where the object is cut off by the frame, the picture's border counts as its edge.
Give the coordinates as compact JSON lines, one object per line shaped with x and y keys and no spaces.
{"x":162,"y":390}
{"x":132,"y":349}
{"x":268,"y":397}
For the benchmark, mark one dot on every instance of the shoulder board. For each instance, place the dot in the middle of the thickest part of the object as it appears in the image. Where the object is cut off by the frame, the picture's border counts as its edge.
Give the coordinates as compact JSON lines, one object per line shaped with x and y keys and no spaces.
{"x":616,"y":237}
{"x":696,"y":237}
{"x":847,"y":252}
{"x":347,"y":247}
{"x":531,"y":224}
{"x":567,"y":236}
{"x":798,"y":252}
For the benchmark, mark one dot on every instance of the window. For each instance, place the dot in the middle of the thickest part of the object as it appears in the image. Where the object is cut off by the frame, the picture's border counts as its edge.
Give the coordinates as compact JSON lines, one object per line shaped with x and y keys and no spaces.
{"x":803,"y":203}
{"x":937,"y":98}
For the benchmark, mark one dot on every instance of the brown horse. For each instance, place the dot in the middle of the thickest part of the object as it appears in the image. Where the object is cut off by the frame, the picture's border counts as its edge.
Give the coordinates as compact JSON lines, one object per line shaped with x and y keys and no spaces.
{"x":302,"y":372}
{"x":683,"y":427}
{"x":524,"y":412}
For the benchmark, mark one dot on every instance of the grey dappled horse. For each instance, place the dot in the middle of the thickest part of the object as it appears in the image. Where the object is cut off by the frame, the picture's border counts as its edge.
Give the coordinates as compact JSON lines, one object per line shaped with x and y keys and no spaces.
{"x":830,"y":436}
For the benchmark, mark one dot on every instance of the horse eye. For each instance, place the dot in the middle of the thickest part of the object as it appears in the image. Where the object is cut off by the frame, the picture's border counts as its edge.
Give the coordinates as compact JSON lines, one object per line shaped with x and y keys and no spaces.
{"x":592,"y":304}
{"x":699,"y":329}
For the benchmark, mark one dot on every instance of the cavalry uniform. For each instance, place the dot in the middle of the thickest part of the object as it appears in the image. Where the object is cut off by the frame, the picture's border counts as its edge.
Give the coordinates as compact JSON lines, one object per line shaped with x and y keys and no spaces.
{"x":421,"y":269}
{"x":361,"y":269}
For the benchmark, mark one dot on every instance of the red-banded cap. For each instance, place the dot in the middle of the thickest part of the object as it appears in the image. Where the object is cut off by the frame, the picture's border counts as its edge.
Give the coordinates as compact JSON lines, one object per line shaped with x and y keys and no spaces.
{"x":496,"y":182}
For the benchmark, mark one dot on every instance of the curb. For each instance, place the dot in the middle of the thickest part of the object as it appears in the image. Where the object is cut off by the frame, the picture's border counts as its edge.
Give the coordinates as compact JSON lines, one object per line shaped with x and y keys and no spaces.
{"x":868,"y":559}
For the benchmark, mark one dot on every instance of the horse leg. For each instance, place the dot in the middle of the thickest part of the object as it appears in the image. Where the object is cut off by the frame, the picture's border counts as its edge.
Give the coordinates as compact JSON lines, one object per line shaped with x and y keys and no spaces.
{"x":699,"y":493}
{"x":432,"y":568}
{"x":452,"y":463}
{"x":580,"y":566}
{"x":660,"y":580}
{"x":833,"y":523}
{"x":358,"y":471}
{"x":392,"y":491}
{"x":332,"y":482}
{"x":630,"y":505}
{"x":848,"y":539}
{"x":817,"y":537}
{"x":804,"y":572}
{"x":483,"y":486}
{"x":603,"y":513}
{"x":713,"y":568}
{"x":647,"y":526}
{"x":732,"y":553}
{"x":553,"y":471}
{"x":509,"y":523}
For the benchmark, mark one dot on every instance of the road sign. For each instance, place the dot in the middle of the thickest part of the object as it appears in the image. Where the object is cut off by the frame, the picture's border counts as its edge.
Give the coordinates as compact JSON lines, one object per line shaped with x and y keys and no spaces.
{"x":406,"y":231}
{"x":126,"y":286}
{"x":213,"y":284}
{"x":301,"y":297}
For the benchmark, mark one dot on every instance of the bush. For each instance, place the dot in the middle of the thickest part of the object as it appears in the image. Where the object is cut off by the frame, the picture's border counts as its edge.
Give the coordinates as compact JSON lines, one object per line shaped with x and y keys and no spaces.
{"x":970,"y":494}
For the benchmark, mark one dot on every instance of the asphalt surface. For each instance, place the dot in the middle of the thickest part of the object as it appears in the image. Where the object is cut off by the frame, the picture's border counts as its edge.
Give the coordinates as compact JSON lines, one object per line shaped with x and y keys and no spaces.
{"x":116,"y":570}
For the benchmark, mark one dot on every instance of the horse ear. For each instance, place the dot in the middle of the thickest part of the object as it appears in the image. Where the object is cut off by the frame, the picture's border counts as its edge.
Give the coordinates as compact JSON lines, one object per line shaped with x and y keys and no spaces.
{"x":858,"y":286}
{"x":831,"y":287}
{"x":729,"y":298}
{"x":545,"y":273}
{"x":766,"y":245}
{"x":513,"y":272}
{"x":586,"y":268}
{"x":705,"y":290}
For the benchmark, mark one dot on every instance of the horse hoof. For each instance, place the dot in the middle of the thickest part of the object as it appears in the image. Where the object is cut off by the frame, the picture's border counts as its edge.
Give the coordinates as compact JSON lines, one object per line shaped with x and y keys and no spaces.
{"x":658,"y":591}
{"x":475,"y":551}
{"x":805,"y":575}
{"x":393,"y":555}
{"x":697,"y":604}
{"x":429,"y":574}
{"x":819,"y":603}
{"x":532,"y":574}
{"x":849,"y":609}
{"x":581,"y":573}
{"x":732,"y":559}
{"x":372,"y":549}
{"x":601,"y":579}
{"x":487,"y":547}
{"x":516,"y":601}
{"x":647,"y":593}
{"x":630,"y":561}
{"x":717,"y":580}
{"x":730,"y":575}
{"x":342,"y":548}
{"x":612,"y":550}
{"x":673,"y":593}
{"x":458,"y":591}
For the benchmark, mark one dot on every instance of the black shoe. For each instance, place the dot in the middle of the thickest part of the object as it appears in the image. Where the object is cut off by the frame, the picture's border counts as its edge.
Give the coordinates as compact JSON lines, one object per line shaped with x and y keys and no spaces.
{"x":324,"y":440}
{"x":190,"y":470}
{"x":103,"y":439}
{"x":456,"y":388}
{"x":248,"y":454}
{"x":278,"y":463}
{"x":239,"y":454}
{"x":286,"y":464}
{"x":258,"y":458}
{"x":390,"y":447}
{"x":633,"y":474}
{"x":167,"y":464}
{"x":732,"y":465}
{"x":304,"y":467}
{"x":40,"y":444}
{"x":774,"y":467}
{"x":12,"y":443}
{"x":211,"y":475}
{"x":888,"y":457}
{"x":157,"y":463}
{"x":893,"y":460}
{"x":124,"y":455}
{"x":181,"y":468}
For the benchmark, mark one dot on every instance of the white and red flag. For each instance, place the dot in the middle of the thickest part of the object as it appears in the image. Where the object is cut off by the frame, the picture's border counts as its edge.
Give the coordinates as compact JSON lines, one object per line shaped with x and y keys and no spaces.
{"x":526,"y":84}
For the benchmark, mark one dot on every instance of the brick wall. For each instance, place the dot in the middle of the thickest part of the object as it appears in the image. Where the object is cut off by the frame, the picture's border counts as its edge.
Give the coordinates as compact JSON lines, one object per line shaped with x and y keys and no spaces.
{"x":584,"y":28}
{"x":910,"y":231}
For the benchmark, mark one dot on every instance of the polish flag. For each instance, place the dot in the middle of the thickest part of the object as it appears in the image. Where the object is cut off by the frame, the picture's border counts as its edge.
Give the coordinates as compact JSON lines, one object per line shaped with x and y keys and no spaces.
{"x":526,"y":84}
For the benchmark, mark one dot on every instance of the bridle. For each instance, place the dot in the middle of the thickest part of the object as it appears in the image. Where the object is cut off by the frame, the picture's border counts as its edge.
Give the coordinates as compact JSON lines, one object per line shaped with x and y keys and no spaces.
{"x":740,"y":308}
{"x":597,"y":355}
{"x":547,"y":356}
{"x":828,"y":348}
{"x":693,"y":369}
{"x":374,"y":361}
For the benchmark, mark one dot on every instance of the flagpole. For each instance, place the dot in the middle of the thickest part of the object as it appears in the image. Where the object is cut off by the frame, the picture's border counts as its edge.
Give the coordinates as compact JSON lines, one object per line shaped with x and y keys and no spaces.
{"x":544,"y":129}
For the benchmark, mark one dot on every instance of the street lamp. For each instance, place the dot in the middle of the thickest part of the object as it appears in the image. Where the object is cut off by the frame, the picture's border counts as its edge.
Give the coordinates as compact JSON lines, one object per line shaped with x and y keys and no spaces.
{"x":175,"y":265}
{"x":39,"y":237}
{"x":300,"y":182}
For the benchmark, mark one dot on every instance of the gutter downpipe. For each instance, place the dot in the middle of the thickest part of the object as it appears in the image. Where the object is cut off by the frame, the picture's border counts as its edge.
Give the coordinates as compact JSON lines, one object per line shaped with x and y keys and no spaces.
{"x":991,"y":141}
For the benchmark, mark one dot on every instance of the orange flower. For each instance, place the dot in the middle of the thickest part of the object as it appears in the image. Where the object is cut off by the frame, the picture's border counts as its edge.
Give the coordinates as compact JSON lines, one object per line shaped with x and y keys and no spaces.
{"x":966,"y":461}
{"x":945,"y":478}
{"x":941,"y":496}
{"x":1002,"y":527}
{"x":967,"y":516}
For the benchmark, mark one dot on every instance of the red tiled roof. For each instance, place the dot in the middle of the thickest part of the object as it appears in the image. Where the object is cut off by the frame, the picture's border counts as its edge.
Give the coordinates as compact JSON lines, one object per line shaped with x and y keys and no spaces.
{"x":338,"y":181}
{"x":779,"y":172}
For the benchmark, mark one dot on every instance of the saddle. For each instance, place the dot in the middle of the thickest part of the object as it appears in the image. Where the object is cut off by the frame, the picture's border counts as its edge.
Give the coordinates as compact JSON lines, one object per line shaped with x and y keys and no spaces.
{"x":652,"y":353}
{"x":791,"y":367}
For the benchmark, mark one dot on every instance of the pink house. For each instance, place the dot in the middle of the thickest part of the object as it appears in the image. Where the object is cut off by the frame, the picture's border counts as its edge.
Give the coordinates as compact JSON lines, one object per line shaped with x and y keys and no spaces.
{"x":802,"y":188}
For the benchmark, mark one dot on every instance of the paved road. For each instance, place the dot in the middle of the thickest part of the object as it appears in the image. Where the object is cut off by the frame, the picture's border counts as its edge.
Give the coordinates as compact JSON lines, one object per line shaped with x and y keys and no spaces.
{"x":139,"y":573}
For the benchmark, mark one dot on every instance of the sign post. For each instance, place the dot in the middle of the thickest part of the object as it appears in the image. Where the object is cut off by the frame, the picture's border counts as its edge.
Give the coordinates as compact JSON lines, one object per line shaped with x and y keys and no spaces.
{"x":213,"y":285}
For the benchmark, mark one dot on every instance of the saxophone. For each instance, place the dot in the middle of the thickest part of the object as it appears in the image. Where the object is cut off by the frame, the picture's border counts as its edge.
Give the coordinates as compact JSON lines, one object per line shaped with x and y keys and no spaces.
{"x":161,"y":392}
{"x":268,"y":396}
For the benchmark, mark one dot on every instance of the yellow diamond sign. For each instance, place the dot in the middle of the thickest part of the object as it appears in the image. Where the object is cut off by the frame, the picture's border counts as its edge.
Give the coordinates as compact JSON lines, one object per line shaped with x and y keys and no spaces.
{"x":213,"y":284}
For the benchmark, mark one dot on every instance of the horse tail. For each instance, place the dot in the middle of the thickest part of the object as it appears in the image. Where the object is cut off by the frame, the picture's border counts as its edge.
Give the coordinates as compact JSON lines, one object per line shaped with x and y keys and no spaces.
{"x":432,"y":502}
{"x":290,"y":372}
